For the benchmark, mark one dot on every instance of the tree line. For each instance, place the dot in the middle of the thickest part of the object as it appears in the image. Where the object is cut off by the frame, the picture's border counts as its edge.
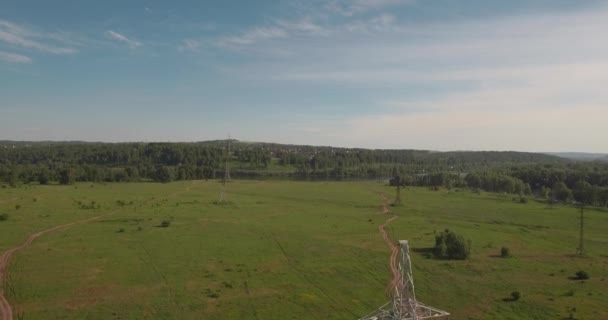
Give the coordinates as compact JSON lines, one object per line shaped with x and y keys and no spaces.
{"x":555,"y":178}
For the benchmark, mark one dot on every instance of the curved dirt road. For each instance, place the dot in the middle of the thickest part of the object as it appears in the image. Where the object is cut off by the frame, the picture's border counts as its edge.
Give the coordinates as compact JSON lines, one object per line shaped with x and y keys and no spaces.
{"x":395,"y":275}
{"x":6,"y":311}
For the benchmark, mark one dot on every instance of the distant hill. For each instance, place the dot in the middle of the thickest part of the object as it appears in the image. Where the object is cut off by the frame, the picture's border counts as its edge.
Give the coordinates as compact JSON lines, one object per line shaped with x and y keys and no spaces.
{"x":580,"y":155}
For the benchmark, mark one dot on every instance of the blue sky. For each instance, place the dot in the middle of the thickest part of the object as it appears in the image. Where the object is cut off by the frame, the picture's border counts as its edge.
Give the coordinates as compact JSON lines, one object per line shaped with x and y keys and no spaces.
{"x":427,"y":74}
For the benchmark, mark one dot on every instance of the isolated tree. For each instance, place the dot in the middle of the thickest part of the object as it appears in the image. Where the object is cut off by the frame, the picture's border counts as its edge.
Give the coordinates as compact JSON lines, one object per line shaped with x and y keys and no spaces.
{"x":583,"y":192}
{"x":164,"y":174}
{"x":66,"y":176}
{"x":602,"y":196}
{"x":561,"y":192}
{"x":450,"y":245}
{"x":43,"y":177}
{"x":545,"y":192}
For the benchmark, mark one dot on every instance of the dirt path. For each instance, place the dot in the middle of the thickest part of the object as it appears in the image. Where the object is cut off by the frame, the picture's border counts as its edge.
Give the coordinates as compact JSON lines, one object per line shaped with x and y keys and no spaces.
{"x":6,"y":311}
{"x":393,"y":263}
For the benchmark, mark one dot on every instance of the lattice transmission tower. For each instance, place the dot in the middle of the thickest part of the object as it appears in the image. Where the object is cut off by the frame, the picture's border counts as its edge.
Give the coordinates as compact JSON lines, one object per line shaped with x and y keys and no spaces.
{"x":580,"y":250}
{"x":404,"y":305}
{"x":226,"y":178}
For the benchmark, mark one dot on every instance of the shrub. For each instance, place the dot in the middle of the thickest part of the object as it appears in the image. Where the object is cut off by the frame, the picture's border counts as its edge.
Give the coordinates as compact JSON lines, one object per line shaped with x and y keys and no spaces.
{"x":523,"y":200}
{"x":515,"y":295}
{"x":451,"y":246}
{"x":121,"y":230}
{"x":17,"y":206}
{"x":165,"y":223}
{"x":3,"y":217}
{"x":582,"y":275}
{"x":213,"y":294}
{"x":504,"y":252}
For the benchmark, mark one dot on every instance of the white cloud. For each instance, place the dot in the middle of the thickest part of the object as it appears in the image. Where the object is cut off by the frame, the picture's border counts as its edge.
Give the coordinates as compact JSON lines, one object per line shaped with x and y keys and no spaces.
{"x":518,"y":82}
{"x":19,"y":36}
{"x":14,"y":58}
{"x":190,"y":45}
{"x":122,"y":38}
{"x":253,"y":35}
{"x":353,"y":7}
{"x":304,"y":25}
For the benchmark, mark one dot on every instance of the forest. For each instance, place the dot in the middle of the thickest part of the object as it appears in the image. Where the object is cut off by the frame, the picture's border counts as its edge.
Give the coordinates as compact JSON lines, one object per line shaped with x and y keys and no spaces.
{"x":556,"y":179}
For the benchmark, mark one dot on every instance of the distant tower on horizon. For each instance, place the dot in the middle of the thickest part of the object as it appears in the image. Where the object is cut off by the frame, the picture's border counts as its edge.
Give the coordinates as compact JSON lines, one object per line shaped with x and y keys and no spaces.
{"x":580,"y":250}
{"x":226,"y":178}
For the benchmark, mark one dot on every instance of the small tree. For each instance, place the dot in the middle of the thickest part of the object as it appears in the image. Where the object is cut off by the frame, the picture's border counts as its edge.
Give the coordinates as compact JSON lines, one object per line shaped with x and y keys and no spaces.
{"x":3,"y":217}
{"x":582,"y":275}
{"x":164,"y":174}
{"x":561,"y":192}
{"x":515,"y":295}
{"x":504,"y":252}
{"x":66,"y":176}
{"x":451,"y":246}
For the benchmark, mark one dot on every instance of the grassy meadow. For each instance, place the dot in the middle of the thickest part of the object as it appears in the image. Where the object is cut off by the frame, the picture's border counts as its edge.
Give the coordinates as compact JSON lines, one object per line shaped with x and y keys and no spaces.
{"x":290,"y":250}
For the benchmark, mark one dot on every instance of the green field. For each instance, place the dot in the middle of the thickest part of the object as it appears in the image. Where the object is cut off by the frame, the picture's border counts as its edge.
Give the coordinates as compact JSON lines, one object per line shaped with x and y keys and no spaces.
{"x":290,"y":250}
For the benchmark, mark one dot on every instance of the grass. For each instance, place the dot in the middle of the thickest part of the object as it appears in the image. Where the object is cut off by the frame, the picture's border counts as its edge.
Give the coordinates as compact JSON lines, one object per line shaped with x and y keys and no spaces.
{"x":295,"y":250}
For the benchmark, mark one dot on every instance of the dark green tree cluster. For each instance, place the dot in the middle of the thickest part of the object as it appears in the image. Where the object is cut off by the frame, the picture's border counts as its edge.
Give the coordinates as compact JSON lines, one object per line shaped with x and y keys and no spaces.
{"x":497,"y":182}
{"x":449,"y":245}
{"x":557,"y":179}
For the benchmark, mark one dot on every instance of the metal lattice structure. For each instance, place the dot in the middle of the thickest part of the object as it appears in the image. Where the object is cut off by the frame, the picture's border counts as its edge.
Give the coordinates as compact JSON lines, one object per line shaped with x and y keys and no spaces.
{"x":404,"y":305}
{"x":580,"y":250}
{"x":226,"y":171}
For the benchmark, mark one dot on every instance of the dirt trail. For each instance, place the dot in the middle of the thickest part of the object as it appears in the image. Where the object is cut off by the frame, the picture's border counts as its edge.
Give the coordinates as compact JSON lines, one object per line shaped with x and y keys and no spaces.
{"x":395,"y":275}
{"x":6,"y":310}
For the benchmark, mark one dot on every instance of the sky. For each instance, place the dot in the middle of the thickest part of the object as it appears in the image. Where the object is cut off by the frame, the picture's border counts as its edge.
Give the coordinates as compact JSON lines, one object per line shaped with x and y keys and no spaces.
{"x":526,"y":75}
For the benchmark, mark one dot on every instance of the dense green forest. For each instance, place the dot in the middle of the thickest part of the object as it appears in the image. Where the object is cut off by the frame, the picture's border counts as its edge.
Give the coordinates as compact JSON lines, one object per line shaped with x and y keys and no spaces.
{"x":521,"y":173}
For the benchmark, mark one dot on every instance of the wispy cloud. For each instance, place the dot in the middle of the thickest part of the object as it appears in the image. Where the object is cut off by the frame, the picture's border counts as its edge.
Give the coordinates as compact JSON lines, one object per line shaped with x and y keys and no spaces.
{"x":190,"y":45}
{"x":307,"y":26}
{"x":510,"y":83}
{"x":253,"y":35}
{"x":353,"y":7}
{"x":122,"y":38}
{"x":23,"y":37}
{"x":14,"y":57}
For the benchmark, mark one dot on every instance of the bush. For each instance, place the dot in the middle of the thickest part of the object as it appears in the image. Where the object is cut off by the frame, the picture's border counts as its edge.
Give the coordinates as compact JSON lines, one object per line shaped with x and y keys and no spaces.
{"x":504,"y":252}
{"x":449,"y":245}
{"x":3,"y":217}
{"x":515,"y":295}
{"x":582,"y":275}
{"x":523,"y":200}
{"x":165,"y":223}
{"x":17,"y":207}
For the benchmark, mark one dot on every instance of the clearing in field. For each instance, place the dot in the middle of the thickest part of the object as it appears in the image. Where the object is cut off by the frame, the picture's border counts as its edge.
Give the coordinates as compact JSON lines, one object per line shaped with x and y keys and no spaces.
{"x":283,"y":249}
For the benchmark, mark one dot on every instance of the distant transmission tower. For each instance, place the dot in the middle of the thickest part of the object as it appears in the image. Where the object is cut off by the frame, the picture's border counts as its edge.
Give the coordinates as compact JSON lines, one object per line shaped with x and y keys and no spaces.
{"x":581,"y":243}
{"x":226,"y":178}
{"x":398,"y":195}
{"x":404,"y":305}
{"x":397,"y":181}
